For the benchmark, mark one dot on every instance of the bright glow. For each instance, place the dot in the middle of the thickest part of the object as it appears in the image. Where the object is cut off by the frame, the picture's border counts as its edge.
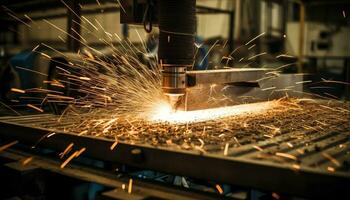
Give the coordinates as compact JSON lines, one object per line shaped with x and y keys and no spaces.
{"x":164,"y":112}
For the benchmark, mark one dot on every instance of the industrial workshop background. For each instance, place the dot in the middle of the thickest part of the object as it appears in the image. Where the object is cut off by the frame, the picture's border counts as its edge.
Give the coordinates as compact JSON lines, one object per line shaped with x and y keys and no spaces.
{"x":165,"y":99}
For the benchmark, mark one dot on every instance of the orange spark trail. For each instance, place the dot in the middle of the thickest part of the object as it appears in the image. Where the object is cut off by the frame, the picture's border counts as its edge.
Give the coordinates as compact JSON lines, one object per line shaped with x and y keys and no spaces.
{"x":2,"y":148}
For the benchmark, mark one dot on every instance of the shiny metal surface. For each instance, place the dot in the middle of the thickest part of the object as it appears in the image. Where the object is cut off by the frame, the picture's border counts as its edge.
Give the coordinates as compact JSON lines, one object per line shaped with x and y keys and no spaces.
{"x":202,"y":96}
{"x":227,"y":75}
{"x":174,"y":79}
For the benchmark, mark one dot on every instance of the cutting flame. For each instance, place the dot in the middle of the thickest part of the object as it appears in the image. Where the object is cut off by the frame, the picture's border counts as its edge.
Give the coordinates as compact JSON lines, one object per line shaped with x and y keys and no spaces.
{"x":165,"y":113}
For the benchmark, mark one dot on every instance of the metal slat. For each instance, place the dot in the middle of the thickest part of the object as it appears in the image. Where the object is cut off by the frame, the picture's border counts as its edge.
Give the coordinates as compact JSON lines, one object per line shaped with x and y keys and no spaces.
{"x":268,"y":144}
{"x":314,"y":139}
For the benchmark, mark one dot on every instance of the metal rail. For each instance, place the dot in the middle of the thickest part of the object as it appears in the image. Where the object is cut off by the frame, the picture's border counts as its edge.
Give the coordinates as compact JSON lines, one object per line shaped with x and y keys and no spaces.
{"x":244,"y":166}
{"x":142,"y":189}
{"x":222,"y":76}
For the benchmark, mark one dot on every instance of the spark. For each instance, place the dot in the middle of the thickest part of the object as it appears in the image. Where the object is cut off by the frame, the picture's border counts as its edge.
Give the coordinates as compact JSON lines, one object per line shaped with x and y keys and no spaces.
{"x":85,"y":78}
{"x":90,"y":23}
{"x":42,"y":138}
{"x":2,"y":148}
{"x":66,"y":150}
{"x":35,"y":48}
{"x":71,"y":157}
{"x":331,"y":169}
{"x":70,"y":9}
{"x":226,"y":149}
{"x":303,"y":82}
{"x":330,"y":158}
{"x":257,"y":55}
{"x":130,"y":186}
{"x":296,"y":167}
{"x":285,"y":56}
{"x":114,"y":145}
{"x":290,"y":144}
{"x":284,"y":66}
{"x":327,"y":107}
{"x":51,"y":134}
{"x":330,"y":95}
{"x":250,"y":41}
{"x":80,"y":151}
{"x":45,"y":55}
{"x":18,"y":90}
{"x":285,"y":155}
{"x":276,"y":196}
{"x":35,"y":108}
{"x":13,"y":15}
{"x":269,"y":88}
{"x":251,"y":46}
{"x":8,"y":107}
{"x":59,"y":97}
{"x":337,"y":82}
{"x":61,"y":39}
{"x":30,"y":19}
{"x":164,"y":112}
{"x":83,"y":132}
{"x":236,"y":49}
{"x":27,"y":161}
{"x":220,"y":190}
{"x":236,"y":140}
{"x":301,"y":151}
{"x":33,"y":71}
{"x":257,"y":148}
{"x":121,"y":6}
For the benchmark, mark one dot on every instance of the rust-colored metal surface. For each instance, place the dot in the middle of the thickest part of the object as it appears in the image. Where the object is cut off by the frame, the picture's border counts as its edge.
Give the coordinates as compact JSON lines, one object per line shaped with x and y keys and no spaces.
{"x":300,"y":147}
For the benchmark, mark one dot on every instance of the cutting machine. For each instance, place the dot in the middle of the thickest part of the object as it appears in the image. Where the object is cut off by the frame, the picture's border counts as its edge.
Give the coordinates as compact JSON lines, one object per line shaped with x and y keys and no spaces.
{"x":177,"y":29}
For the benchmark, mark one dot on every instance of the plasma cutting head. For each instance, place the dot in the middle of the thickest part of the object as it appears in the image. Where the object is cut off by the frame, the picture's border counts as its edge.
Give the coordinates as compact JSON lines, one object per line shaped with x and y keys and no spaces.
{"x":174,"y":83}
{"x":177,"y":26}
{"x":176,"y":45}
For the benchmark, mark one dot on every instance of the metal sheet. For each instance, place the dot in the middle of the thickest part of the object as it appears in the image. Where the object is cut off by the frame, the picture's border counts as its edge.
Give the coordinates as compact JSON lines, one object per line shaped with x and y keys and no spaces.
{"x":240,"y":167}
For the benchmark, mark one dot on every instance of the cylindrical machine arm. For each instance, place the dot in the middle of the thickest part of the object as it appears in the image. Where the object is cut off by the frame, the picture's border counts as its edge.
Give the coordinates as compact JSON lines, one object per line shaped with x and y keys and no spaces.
{"x":177,"y":24}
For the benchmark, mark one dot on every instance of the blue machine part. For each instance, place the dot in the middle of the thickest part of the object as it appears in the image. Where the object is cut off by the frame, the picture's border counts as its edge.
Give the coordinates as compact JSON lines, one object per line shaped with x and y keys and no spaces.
{"x":201,"y":64}
{"x":25,"y":59}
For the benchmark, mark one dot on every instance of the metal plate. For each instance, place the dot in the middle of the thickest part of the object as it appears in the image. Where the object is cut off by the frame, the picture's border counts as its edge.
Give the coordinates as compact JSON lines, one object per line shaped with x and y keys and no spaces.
{"x":241,"y":167}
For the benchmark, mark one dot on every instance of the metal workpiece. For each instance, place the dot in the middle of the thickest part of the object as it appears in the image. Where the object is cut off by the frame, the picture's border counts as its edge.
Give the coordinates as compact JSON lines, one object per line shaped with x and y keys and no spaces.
{"x":231,"y":84}
{"x":225,"y":76}
{"x":309,"y":163}
{"x":268,"y":87}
